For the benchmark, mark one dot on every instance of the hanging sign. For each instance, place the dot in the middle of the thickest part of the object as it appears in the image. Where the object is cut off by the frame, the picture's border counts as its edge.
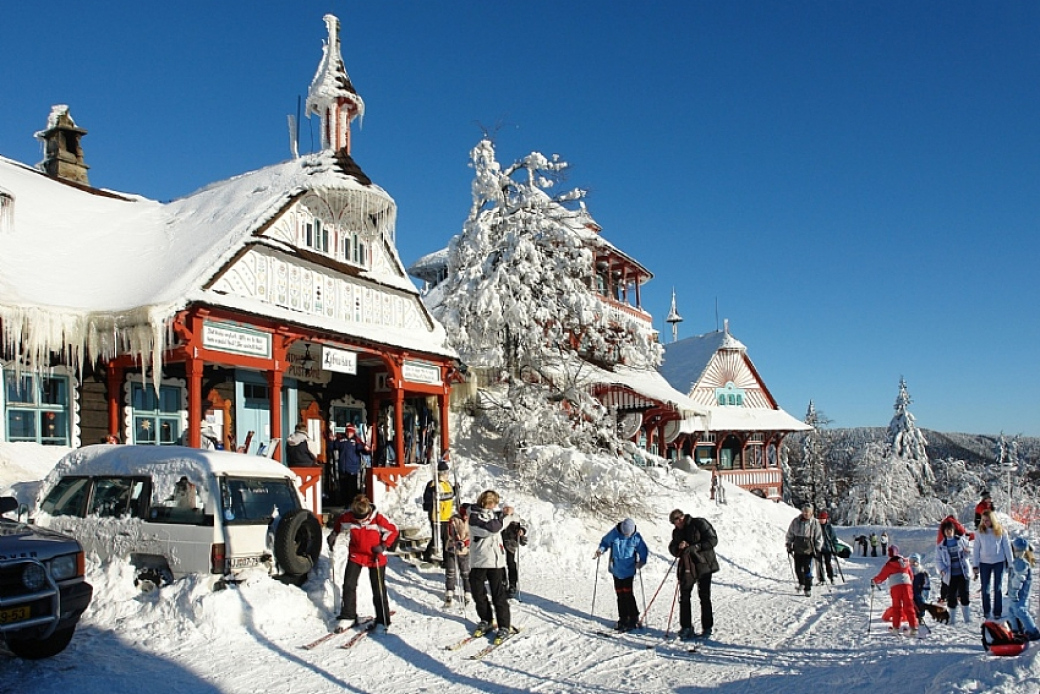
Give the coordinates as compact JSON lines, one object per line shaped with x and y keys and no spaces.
{"x":421,"y":372}
{"x":228,"y":337}
{"x":340,"y":360}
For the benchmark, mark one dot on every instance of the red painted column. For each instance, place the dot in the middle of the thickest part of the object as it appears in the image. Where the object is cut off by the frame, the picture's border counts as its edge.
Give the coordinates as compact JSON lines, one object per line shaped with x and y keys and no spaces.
{"x":194,"y":368}
{"x":114,"y":382}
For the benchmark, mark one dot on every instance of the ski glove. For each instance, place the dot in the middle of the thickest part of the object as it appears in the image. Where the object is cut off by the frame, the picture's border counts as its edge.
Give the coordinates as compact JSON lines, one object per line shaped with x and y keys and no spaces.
{"x":597,"y":554}
{"x":332,"y":541}
{"x":379,"y":549}
{"x":790,"y":548}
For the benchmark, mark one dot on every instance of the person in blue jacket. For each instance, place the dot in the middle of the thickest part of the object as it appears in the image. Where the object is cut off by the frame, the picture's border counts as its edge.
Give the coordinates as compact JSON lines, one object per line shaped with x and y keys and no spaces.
{"x":628,"y":554}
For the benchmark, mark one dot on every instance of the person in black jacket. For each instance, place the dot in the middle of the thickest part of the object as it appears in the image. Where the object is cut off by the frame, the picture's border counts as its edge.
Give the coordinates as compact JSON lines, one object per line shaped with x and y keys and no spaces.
{"x":693,"y":543}
{"x":513,"y":536}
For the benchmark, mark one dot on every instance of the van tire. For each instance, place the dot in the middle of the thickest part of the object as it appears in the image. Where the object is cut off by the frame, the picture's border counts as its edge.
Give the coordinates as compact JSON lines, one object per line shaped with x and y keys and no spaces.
{"x":297,"y":542}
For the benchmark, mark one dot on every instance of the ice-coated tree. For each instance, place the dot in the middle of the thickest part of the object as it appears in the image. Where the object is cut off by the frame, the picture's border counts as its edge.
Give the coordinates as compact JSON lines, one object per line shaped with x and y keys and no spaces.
{"x":907,"y":445}
{"x":894,"y":483}
{"x":518,"y":292}
{"x":809,"y":479}
{"x":518,"y":302}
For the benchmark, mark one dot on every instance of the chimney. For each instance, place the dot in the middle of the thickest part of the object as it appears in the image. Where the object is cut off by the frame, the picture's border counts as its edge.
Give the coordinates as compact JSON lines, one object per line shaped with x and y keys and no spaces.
{"x":62,"y":150}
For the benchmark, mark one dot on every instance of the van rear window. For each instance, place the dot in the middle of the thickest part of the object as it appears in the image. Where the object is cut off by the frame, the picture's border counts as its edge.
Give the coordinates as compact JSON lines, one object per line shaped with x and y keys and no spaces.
{"x":255,"y":500}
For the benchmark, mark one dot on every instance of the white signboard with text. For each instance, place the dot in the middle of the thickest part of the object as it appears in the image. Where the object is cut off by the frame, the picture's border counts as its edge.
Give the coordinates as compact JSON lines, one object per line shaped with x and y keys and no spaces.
{"x":340,"y":360}
{"x":421,"y":372}
{"x":228,"y":337}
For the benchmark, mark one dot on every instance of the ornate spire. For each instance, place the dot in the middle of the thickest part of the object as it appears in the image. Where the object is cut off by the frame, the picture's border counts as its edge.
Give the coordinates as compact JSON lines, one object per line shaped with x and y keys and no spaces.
{"x":674,"y":318}
{"x":332,"y":97}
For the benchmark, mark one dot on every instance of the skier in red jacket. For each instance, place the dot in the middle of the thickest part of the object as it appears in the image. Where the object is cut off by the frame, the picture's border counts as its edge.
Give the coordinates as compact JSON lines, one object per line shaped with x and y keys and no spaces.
{"x":370,"y":534}
{"x":901,"y":587}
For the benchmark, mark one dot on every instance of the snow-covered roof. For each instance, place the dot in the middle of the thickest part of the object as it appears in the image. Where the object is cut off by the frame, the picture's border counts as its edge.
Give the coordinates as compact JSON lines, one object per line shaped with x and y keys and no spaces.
{"x":686,"y":360}
{"x":649,"y":383}
{"x":81,"y":266}
{"x":430,"y":265}
{"x":686,"y":364}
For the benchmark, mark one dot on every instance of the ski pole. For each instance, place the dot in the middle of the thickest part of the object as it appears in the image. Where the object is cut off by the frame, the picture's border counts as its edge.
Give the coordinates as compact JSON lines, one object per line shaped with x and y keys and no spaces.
{"x":595,"y":585}
{"x":666,"y":574}
{"x":517,"y":586}
{"x":870,"y":614}
{"x":639,"y":570}
{"x":384,"y":601}
{"x":668,"y":627}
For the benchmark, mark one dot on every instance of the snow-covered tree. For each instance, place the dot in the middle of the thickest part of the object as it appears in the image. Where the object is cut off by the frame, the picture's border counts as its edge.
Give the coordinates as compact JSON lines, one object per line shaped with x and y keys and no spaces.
{"x":808,"y":480}
{"x":894,"y":483}
{"x":518,"y":291}
{"x":518,"y":302}
{"x":906,"y":443}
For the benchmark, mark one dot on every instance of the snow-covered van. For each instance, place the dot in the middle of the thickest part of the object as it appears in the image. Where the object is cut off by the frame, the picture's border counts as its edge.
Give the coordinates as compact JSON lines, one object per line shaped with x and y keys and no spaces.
{"x":175,"y":511}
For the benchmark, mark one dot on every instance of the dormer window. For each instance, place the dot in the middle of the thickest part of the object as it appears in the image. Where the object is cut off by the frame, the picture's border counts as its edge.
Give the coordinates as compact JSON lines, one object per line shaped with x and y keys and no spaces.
{"x":730,"y":395}
{"x":344,"y":246}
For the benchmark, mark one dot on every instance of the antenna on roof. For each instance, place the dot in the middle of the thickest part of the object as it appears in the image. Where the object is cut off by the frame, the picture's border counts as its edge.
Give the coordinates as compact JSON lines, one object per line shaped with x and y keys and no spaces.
{"x":293,"y":144}
{"x":716,"y":314}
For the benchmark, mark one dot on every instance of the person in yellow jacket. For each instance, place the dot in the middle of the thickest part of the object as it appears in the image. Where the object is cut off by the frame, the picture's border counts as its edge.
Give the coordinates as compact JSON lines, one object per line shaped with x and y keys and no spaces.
{"x":439,"y":504}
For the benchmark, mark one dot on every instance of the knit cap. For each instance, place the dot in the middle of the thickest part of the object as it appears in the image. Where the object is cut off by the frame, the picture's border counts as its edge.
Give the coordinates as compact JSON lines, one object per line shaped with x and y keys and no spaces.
{"x":628,"y":527}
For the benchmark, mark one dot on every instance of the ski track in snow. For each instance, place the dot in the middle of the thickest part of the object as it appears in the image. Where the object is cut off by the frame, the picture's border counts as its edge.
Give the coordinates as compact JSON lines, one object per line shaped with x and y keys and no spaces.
{"x":185,"y":638}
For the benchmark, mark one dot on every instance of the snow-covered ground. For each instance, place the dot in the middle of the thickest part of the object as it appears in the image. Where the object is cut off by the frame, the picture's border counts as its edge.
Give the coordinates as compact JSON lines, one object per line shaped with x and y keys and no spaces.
{"x":185,"y":638}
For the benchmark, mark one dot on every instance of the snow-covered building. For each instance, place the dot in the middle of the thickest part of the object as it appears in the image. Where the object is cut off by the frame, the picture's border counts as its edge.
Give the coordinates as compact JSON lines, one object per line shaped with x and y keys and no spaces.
{"x":273,"y":298}
{"x":745,"y":425}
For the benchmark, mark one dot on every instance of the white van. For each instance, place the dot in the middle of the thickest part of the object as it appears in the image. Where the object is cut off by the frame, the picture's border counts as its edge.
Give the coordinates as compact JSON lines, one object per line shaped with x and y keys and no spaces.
{"x":176,"y":511}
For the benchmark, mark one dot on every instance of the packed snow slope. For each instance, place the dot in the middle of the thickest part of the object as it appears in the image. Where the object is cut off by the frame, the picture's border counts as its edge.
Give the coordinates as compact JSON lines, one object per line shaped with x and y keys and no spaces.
{"x":187,"y":638}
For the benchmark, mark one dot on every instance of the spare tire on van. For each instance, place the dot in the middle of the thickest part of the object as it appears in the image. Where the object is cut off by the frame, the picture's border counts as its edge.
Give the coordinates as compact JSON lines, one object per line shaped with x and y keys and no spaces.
{"x":297,"y":542}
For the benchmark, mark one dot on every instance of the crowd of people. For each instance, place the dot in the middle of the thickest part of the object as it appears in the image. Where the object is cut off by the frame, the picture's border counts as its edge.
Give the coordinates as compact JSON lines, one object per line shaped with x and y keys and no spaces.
{"x":479,"y":546}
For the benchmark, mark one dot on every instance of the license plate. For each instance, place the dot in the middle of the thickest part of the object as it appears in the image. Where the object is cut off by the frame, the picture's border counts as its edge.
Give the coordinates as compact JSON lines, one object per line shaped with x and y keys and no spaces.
{"x":14,"y":614}
{"x":244,"y":562}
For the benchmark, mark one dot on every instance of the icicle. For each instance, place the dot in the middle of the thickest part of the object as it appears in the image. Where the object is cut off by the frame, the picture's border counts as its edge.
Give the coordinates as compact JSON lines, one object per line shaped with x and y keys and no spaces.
{"x":6,"y":211}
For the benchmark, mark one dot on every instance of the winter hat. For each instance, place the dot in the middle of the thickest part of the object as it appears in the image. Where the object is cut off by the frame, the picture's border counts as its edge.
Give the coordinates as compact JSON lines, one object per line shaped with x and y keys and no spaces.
{"x":350,"y":428}
{"x":823,"y":515}
{"x":985,"y":495}
{"x":1020,"y":544}
{"x":807,"y":507}
{"x":628,"y":527}
{"x":442,"y":466}
{"x":893,"y":550}
{"x":915,"y":558}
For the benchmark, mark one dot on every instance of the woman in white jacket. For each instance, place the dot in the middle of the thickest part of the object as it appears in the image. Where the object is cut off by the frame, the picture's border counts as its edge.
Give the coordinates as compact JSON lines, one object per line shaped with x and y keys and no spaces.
{"x":991,"y":555}
{"x":487,"y":561}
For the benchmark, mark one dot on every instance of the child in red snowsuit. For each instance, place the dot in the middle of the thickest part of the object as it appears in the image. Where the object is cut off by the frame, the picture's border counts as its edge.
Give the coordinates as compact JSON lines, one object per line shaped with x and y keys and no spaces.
{"x":900,"y":586}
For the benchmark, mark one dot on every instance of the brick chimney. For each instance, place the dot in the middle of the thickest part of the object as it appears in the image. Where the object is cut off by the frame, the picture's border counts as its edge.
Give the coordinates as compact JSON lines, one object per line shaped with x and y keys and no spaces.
{"x":62,"y":150}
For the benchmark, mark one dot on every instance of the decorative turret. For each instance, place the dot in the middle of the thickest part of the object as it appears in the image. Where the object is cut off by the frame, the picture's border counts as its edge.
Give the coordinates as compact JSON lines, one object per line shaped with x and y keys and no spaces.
{"x":62,"y":151}
{"x":332,"y":97}
{"x":674,"y":318}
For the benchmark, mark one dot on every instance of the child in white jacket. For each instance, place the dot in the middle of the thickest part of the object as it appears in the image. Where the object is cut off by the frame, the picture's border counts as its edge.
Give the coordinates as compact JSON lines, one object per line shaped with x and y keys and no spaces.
{"x":1019,"y":582}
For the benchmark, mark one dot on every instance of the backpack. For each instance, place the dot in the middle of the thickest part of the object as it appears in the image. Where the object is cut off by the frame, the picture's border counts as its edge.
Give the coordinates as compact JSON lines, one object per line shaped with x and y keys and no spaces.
{"x":999,"y":641}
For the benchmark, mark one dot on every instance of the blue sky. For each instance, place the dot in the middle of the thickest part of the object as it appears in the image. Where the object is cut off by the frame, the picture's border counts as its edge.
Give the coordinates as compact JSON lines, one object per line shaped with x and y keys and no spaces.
{"x":856,"y":186}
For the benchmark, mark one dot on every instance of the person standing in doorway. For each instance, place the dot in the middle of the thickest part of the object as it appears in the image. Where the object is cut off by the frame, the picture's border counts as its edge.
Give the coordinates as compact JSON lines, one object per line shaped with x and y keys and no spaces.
{"x":298,"y":452}
{"x":693,"y":544}
{"x":349,"y":449}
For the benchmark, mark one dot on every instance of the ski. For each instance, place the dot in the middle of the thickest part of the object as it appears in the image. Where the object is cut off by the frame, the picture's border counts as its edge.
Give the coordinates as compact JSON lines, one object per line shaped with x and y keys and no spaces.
{"x":461,"y":642}
{"x":333,"y":633}
{"x":353,"y":640}
{"x":486,"y":650}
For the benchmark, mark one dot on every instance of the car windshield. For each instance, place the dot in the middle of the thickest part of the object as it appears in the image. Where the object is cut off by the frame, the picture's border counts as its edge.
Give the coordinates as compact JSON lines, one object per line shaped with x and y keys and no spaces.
{"x":255,"y":500}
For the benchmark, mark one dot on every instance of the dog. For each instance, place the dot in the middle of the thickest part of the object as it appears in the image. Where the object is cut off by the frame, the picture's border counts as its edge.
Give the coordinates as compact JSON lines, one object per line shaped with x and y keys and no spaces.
{"x":937,"y":612}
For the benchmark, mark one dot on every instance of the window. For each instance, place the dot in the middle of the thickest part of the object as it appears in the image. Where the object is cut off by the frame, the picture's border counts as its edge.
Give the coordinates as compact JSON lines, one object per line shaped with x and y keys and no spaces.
{"x":157,"y":419}
{"x":37,"y":408}
{"x":253,"y":501}
{"x":730,"y":395}
{"x":68,"y":498}
{"x":115,"y":497}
